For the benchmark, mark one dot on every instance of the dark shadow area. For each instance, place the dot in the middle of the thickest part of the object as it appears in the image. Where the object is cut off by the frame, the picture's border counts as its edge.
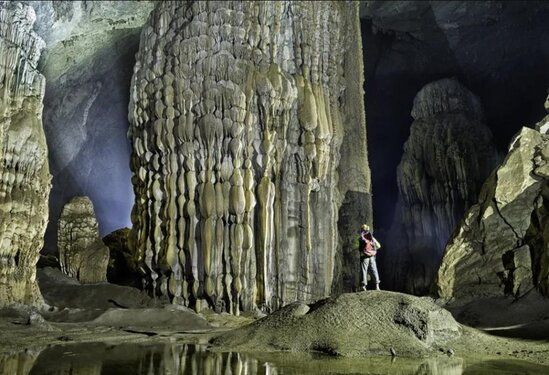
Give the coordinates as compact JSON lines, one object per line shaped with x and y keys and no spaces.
{"x":498,"y":50}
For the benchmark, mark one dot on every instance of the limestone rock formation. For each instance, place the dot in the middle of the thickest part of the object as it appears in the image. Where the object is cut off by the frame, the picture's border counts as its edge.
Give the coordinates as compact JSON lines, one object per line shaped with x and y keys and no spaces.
{"x":502,"y":245}
{"x":238,"y":113}
{"x":82,"y":253}
{"x":24,"y":172}
{"x":353,"y":324}
{"x":447,"y":157}
{"x":123,"y":266}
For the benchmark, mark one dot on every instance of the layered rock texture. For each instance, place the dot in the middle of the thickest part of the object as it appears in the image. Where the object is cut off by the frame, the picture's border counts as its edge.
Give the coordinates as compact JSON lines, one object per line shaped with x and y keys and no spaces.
{"x":24,"y":173}
{"x":446,"y":159}
{"x":353,"y":324}
{"x":501,"y":247}
{"x":238,"y":114}
{"x":82,"y":253}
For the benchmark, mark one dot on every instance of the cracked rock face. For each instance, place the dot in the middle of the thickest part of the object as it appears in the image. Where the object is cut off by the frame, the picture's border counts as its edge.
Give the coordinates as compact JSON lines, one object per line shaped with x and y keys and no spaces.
{"x":238,"y":112}
{"x":447,"y":157}
{"x":24,"y":172}
{"x":501,"y":247}
{"x":82,"y":253}
{"x":87,"y":62}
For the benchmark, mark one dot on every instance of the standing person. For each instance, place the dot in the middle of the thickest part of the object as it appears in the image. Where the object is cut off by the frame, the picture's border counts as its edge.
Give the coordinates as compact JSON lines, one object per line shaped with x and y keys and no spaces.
{"x":368,"y":249}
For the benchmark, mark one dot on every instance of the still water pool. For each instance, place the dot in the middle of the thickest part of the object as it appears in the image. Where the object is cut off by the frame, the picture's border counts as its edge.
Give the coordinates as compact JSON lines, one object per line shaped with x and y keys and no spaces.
{"x":183,"y":359}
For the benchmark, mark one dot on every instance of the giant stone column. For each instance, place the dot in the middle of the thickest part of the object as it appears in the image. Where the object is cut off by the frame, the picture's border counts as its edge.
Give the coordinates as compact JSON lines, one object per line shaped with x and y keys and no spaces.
{"x":238,"y":113}
{"x":24,"y":172}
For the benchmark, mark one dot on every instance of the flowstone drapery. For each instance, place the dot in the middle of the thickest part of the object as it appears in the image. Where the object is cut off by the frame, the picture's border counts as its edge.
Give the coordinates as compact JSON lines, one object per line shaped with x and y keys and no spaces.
{"x":238,"y":112}
{"x":24,"y":172}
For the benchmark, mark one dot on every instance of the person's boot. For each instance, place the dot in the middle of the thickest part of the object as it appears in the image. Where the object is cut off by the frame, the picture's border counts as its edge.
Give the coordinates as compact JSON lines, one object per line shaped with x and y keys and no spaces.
{"x":364,"y":288}
{"x":377,"y":287}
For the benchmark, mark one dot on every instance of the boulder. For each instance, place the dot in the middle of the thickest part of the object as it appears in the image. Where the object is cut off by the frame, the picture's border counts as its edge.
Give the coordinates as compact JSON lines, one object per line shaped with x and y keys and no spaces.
{"x":353,"y":324}
{"x":501,"y":247}
{"x":82,"y":253}
{"x":123,"y":263}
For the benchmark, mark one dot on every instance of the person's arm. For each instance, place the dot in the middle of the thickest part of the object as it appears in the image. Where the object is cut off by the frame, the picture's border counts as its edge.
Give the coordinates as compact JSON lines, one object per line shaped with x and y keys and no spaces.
{"x":363,"y":235}
{"x":377,"y":245}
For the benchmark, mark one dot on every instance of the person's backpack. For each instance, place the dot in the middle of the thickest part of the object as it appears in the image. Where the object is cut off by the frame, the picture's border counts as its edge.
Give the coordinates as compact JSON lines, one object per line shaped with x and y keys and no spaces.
{"x":369,"y":248}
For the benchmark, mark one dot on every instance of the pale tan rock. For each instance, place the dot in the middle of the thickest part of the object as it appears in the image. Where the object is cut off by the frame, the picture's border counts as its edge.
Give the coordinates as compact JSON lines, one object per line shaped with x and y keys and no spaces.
{"x":82,"y":253}
{"x":24,"y":171}
{"x":238,"y":113}
{"x":446,"y":159}
{"x":502,"y":245}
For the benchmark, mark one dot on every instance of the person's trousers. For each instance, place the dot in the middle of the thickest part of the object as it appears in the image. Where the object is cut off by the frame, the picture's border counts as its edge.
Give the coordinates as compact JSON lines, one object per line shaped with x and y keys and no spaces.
{"x":369,"y":262}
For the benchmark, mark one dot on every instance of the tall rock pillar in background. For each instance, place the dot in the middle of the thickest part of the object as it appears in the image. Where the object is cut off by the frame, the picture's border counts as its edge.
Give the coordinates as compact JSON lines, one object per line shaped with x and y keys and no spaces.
{"x":446,"y":159}
{"x":24,"y":172}
{"x":238,"y":112}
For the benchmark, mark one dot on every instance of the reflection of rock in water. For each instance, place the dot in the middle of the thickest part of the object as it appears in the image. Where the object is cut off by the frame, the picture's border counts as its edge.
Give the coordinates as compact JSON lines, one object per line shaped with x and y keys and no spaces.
{"x":166,"y":358}
{"x":17,"y":363}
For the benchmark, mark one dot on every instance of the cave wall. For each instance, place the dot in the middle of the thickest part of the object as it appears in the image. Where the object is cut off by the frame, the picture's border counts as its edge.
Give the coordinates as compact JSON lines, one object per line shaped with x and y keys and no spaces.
{"x":449,"y":154}
{"x":238,"y":113}
{"x":24,"y":172}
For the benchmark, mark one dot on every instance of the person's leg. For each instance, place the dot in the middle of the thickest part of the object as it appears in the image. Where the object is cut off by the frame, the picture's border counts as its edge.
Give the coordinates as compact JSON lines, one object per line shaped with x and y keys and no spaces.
{"x":374,"y":271}
{"x":364,"y":262}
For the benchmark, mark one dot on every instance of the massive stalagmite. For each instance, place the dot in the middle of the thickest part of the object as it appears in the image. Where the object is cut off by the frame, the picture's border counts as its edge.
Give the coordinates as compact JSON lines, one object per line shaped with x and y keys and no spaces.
{"x":82,"y":253}
{"x":447,"y":157}
{"x":238,"y":114}
{"x":501,"y":247}
{"x":24,"y":173}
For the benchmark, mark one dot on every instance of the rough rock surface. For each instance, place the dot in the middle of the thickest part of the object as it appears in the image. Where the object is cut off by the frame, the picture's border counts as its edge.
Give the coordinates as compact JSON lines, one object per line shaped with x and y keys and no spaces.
{"x":87,"y":61}
{"x":497,"y":49}
{"x":354,"y":324}
{"x":123,"y":266}
{"x":82,"y":253}
{"x":446,"y":159}
{"x":502,"y":244}
{"x":24,"y":172}
{"x":238,"y":114}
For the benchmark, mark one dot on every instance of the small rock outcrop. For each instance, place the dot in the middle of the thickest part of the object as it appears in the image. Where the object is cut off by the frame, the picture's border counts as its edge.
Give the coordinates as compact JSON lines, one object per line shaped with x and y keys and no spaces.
{"x":24,"y":171}
{"x":355,"y":324}
{"x":238,"y":115}
{"x":123,"y":263}
{"x":82,"y":253}
{"x":446,"y":159}
{"x":501,"y":247}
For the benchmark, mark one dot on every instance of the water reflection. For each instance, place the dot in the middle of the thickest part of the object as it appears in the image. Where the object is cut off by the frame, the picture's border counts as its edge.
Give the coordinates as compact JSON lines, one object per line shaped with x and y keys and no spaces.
{"x":183,"y":359}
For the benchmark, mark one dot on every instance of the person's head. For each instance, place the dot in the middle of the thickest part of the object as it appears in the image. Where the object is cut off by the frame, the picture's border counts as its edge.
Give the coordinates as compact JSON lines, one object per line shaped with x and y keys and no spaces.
{"x":365,"y":227}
